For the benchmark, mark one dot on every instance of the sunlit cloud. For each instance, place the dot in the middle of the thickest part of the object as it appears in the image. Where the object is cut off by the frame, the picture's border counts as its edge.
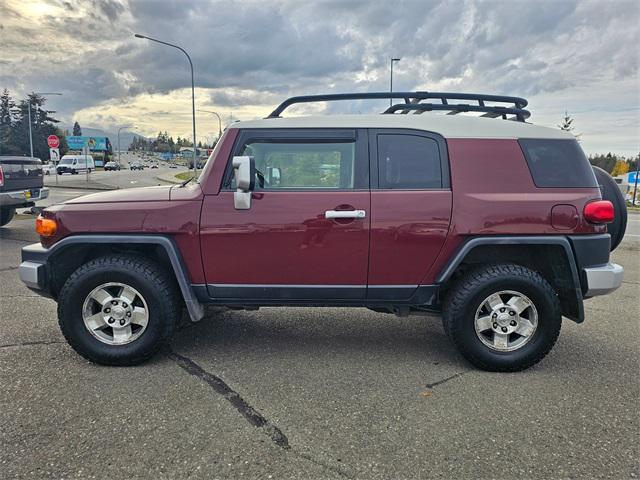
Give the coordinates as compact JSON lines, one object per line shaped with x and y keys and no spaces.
{"x":579,"y":56}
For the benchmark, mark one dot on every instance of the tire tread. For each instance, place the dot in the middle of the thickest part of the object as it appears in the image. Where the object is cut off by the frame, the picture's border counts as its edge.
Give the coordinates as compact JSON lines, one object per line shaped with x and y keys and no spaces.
{"x":161,"y":283}
{"x":465,"y":288}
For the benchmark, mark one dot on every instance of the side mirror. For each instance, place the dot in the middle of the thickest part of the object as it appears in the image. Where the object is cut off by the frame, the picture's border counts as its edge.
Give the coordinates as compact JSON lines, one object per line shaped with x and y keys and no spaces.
{"x":244,"y":169}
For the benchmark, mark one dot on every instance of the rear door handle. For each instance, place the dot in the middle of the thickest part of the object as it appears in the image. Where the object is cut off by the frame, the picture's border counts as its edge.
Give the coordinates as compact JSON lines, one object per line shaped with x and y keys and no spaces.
{"x":345,"y":214}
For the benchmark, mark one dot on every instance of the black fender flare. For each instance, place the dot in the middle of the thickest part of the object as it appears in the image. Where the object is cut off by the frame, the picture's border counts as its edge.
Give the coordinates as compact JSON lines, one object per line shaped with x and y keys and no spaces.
{"x":39,"y":254}
{"x":576,"y":298}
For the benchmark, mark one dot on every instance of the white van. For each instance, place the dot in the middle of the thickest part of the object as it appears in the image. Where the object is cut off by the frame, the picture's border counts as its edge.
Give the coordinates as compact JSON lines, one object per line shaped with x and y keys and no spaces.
{"x":75,"y":163}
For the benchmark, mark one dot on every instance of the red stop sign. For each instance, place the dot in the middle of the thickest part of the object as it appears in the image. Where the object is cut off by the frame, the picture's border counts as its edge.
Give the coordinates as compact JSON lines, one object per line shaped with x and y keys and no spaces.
{"x":53,"y":141}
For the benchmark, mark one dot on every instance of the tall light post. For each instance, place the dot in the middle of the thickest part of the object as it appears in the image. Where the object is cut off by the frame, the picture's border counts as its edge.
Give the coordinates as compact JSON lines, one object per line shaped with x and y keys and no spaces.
{"x":121,"y":128}
{"x":29,"y":109}
{"x":391,"y":80}
{"x":193,"y":93}
{"x":219,"y":121}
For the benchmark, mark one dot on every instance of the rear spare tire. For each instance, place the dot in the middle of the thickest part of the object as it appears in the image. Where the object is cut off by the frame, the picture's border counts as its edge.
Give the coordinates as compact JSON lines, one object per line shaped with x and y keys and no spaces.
{"x":610,"y":191}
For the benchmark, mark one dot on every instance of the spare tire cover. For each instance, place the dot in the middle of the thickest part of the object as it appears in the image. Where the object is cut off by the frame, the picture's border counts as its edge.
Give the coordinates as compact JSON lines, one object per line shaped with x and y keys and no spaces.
{"x":610,"y":191}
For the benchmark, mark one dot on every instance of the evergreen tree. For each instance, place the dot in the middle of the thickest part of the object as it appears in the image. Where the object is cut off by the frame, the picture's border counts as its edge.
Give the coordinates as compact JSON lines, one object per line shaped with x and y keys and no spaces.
{"x":567,"y":126}
{"x":77,"y":131}
{"x":7,"y":113}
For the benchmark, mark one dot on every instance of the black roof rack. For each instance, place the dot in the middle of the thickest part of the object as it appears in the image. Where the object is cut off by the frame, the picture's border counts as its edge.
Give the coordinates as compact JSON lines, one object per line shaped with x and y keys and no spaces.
{"x":412,"y":103}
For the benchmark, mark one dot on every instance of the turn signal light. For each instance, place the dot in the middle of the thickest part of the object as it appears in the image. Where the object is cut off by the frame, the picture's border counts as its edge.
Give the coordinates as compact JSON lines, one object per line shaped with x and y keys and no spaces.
{"x":46,"y":227}
{"x":600,"y":211}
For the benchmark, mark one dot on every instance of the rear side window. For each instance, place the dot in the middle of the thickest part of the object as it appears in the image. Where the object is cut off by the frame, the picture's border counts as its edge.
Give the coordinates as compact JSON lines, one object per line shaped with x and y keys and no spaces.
{"x":408,"y":162}
{"x":557,"y":163}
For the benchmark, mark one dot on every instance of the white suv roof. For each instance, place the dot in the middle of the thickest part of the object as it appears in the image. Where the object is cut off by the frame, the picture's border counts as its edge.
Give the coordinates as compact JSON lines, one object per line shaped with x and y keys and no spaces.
{"x":449,"y":126}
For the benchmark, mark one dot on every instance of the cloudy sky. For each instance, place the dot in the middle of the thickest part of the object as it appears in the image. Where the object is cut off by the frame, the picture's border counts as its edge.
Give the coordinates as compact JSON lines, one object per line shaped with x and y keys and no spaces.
{"x":579,"y":56}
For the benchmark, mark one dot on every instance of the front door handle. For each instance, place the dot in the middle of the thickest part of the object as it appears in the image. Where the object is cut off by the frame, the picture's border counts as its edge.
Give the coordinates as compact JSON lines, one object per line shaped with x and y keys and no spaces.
{"x":345,"y":214}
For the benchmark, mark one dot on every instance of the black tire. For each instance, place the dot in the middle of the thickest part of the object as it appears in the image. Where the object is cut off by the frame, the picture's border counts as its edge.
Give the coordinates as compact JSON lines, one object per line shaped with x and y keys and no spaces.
{"x":610,"y":191}
{"x":148,"y":278}
{"x":6,"y":215}
{"x":464,"y":299}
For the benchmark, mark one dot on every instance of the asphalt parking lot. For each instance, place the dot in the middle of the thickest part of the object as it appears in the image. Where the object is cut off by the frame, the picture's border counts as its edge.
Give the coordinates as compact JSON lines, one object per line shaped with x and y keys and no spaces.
{"x":317,"y":393}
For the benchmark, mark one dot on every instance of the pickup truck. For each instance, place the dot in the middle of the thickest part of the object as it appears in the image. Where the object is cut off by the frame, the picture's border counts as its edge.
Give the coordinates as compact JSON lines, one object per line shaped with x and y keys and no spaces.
{"x":500,"y":226}
{"x":21,"y":185}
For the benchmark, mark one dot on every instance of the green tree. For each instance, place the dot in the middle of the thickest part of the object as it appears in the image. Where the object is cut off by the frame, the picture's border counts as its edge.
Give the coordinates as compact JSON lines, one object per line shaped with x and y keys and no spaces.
{"x":42,"y":125}
{"x":77,"y":131}
{"x":7,"y":113}
{"x":606,"y":162}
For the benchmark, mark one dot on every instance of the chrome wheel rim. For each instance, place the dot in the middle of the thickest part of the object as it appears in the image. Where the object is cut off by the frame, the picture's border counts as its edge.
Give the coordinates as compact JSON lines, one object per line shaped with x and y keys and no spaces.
{"x":506,"y":321}
{"x":115,"y":313}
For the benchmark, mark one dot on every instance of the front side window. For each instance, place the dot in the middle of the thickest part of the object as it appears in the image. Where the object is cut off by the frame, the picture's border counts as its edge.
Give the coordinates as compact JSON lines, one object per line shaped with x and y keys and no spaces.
{"x":297,"y":164}
{"x":408,"y":162}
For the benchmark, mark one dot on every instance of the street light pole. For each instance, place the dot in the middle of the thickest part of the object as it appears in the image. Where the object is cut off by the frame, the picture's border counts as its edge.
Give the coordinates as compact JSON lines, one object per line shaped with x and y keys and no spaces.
{"x":391,"y":80}
{"x":193,"y":94}
{"x":219,"y":121}
{"x":29,"y":110}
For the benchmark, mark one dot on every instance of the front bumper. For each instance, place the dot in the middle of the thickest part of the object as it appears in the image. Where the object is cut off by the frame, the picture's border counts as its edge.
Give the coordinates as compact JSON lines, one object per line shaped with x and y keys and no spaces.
{"x":33,"y":269}
{"x":23,"y":197}
{"x":32,"y":274}
{"x":603,"y":279}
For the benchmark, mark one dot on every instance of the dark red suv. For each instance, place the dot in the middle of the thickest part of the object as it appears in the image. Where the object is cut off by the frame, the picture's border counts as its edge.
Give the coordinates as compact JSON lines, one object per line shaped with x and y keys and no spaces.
{"x":500,"y":225}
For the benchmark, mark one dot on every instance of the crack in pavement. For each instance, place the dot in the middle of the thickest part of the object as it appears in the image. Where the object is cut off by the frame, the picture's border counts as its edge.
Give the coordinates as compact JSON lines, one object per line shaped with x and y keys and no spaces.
{"x":6,"y":269}
{"x":254,"y":417}
{"x":440,"y":382}
{"x":30,"y":344}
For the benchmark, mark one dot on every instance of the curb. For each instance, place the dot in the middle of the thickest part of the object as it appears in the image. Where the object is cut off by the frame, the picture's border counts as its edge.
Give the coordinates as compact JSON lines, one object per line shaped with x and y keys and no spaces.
{"x":83,"y":187}
{"x":171,"y":177}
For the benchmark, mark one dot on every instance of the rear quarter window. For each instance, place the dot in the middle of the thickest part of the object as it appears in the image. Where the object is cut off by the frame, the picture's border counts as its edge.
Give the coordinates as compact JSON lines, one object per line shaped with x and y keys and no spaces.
{"x":557,"y":163}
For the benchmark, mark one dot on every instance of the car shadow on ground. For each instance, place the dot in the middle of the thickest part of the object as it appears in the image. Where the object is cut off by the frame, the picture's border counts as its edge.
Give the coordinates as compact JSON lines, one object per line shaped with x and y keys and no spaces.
{"x":317,"y":331}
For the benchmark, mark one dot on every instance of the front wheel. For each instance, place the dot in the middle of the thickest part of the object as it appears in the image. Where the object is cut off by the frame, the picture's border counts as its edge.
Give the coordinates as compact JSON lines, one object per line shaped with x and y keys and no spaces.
{"x":118,"y":309}
{"x":502,"y":318}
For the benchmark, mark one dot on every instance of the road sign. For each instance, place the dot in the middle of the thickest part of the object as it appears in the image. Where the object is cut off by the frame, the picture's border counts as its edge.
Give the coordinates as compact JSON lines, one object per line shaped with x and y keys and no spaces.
{"x":54,"y":155}
{"x":53,"y":141}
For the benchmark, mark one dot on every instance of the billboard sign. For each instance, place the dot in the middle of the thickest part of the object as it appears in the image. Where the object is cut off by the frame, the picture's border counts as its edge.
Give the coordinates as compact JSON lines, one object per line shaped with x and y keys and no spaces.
{"x":95,"y":144}
{"x":632,"y":177}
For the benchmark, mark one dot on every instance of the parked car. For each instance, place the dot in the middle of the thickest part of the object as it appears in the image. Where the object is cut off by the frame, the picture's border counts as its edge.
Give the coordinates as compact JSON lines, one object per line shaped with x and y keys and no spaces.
{"x":154,"y":165}
{"x":136,"y":166}
{"x":111,"y":166}
{"x":21,"y":185}
{"x":75,"y":164}
{"x":498,"y":225}
{"x":48,"y":169}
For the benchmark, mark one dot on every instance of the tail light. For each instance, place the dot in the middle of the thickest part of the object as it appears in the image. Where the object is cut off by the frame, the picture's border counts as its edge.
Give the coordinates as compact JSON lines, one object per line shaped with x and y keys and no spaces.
{"x":1,"y":177}
{"x":46,"y":227}
{"x":600,"y":211}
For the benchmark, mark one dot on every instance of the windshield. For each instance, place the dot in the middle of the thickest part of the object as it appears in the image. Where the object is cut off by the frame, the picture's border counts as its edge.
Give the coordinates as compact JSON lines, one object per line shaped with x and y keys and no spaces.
{"x":66,"y":161}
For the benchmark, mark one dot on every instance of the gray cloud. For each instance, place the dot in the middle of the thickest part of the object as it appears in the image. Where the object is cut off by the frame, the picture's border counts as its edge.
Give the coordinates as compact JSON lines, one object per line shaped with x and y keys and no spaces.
{"x":256,"y":53}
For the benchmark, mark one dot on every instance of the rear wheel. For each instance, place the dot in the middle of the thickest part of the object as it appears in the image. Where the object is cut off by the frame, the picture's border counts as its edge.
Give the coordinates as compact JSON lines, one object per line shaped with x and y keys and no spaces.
{"x":503,"y":317}
{"x":118,"y":310}
{"x":6,"y":215}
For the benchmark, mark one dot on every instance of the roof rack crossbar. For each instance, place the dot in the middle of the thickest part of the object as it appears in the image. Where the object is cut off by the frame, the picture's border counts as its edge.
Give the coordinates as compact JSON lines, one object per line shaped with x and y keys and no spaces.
{"x":412,"y":99}
{"x":494,"y":111}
